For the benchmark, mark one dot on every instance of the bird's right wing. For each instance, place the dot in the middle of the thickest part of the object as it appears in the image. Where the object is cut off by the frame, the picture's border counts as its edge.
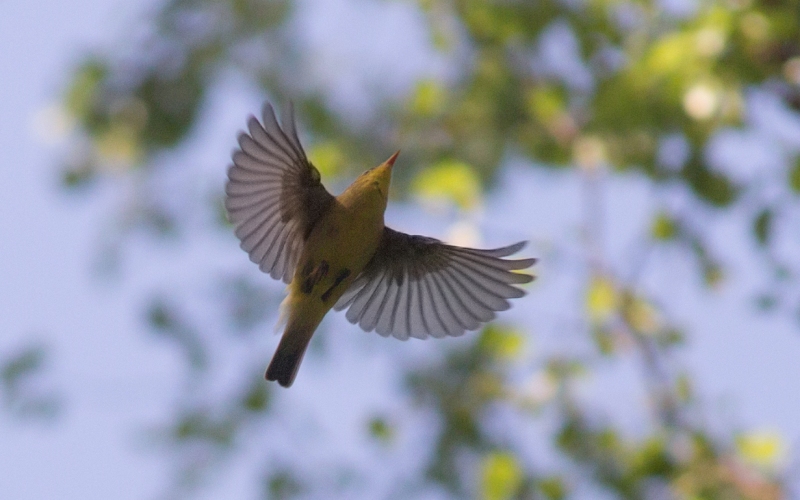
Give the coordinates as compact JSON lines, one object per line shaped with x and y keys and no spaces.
{"x":274,"y":194}
{"x":417,"y":286}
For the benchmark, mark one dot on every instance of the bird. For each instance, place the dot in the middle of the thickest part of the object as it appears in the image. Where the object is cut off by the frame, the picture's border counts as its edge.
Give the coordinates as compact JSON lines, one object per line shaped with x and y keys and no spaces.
{"x":334,"y":252}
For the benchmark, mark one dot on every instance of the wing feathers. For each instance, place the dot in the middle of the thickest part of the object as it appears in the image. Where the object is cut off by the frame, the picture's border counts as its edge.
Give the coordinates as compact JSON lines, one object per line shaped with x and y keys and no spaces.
{"x":274,"y":195}
{"x":278,"y":138}
{"x":291,"y":130}
{"x":431,"y":311}
{"x":461,"y":316}
{"x":413,"y":286}
{"x":453,"y":314}
{"x":419,"y":287}
{"x":502,"y":251}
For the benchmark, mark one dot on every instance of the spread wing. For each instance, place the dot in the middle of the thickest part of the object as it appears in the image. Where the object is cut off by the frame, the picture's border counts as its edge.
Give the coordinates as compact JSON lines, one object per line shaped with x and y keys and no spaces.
{"x":417,"y":286}
{"x":274,"y":194}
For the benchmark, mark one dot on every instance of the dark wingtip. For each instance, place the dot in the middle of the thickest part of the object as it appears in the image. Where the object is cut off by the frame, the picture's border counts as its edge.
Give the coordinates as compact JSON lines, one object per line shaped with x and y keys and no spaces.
{"x":287,"y":115}
{"x":526,"y":263}
{"x":504,"y":251}
{"x":240,"y":137}
{"x":516,"y":247}
{"x":268,"y":113}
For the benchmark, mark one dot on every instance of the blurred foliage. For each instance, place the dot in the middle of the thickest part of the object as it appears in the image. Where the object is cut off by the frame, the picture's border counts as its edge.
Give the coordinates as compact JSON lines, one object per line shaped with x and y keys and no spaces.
{"x":24,"y":388}
{"x":501,"y":477}
{"x":449,"y":180}
{"x":282,"y":484}
{"x":587,"y":87}
{"x":381,"y":429}
{"x":165,"y":321}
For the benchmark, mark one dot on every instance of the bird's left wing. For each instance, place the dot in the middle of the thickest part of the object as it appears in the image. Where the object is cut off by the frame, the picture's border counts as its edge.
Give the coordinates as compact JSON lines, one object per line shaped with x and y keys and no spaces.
{"x":417,"y":286}
{"x":274,"y":194}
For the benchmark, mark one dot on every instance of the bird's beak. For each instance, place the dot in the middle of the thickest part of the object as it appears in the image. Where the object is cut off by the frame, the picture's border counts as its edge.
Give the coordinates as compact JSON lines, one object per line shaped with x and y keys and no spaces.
{"x":392,"y":158}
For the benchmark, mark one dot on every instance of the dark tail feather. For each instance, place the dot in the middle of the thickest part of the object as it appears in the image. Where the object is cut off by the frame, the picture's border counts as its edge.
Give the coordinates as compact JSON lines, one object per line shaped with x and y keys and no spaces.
{"x":287,"y":358}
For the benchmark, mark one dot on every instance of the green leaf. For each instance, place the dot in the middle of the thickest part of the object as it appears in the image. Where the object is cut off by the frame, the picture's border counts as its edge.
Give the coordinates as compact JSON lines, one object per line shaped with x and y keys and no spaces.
{"x":24,"y":364}
{"x":762,"y":226}
{"x":160,"y":317}
{"x":553,"y":488}
{"x":794,"y":177}
{"x":603,"y":339}
{"x":713,"y":187}
{"x":171,"y":105}
{"x":641,"y":315}
{"x":761,"y":448}
{"x":712,"y":274}
{"x":380,"y":429}
{"x":200,"y":426}
{"x":546,"y":102}
{"x":653,"y":459}
{"x":664,"y":227}
{"x":328,"y":157}
{"x":76,"y":176}
{"x":501,"y":476}
{"x":257,"y":398}
{"x":283,"y":484}
{"x":670,"y":337}
{"x":602,"y":299}
{"x":167,"y":322}
{"x":501,"y":343}
{"x":683,"y":388}
{"x":766,"y":301}
{"x":428,"y":99}
{"x":81,"y":97}
{"x":450,"y":180}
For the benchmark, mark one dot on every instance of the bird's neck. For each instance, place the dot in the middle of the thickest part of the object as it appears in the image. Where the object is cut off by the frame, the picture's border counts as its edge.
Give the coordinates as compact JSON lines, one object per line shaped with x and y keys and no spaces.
{"x":365,"y":196}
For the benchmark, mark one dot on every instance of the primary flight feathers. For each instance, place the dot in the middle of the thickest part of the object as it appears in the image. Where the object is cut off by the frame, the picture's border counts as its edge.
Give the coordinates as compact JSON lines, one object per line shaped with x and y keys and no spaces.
{"x":402,"y":285}
{"x":274,"y":194}
{"x":416,"y":286}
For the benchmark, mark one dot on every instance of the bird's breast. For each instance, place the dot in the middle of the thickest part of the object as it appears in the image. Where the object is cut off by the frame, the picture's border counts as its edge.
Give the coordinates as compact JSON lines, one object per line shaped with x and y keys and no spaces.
{"x":337,"y":250}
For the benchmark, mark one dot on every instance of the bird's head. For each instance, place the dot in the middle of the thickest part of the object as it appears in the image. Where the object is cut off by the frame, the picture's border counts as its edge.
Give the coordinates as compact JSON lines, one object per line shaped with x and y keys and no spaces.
{"x":380,"y":177}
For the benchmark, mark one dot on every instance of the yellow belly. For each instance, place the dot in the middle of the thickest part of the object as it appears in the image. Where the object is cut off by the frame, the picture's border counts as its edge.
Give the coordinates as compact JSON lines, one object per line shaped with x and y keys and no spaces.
{"x":337,"y":250}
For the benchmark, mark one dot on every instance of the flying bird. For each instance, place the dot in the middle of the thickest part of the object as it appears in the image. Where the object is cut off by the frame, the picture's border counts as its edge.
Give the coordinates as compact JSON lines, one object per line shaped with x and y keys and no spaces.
{"x":335,"y":251}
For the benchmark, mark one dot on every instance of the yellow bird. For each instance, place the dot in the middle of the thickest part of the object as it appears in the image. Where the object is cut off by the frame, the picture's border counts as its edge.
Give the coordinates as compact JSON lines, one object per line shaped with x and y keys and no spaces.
{"x":335,"y":252}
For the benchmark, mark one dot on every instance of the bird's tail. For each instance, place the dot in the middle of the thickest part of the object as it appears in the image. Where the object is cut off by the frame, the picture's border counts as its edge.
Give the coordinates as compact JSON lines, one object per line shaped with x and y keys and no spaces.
{"x":299,"y":330}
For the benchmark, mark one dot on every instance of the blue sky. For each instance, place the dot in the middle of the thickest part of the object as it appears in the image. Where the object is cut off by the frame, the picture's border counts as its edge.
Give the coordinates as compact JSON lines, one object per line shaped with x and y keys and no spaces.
{"x":116,"y":380}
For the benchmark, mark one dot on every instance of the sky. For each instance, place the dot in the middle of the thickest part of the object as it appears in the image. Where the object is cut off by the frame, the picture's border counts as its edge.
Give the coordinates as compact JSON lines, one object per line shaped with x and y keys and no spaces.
{"x":116,"y":380}
{"x":48,"y":292}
